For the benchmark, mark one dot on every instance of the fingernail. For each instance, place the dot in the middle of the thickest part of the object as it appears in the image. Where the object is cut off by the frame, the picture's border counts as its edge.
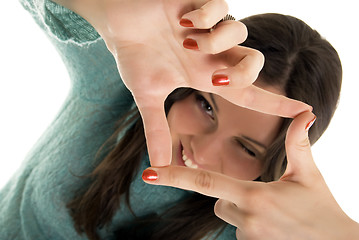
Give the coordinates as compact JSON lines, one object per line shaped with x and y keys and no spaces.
{"x":190,"y":44}
{"x":184,"y":22}
{"x":149,"y":175}
{"x":220,"y":80}
{"x":310,"y":124}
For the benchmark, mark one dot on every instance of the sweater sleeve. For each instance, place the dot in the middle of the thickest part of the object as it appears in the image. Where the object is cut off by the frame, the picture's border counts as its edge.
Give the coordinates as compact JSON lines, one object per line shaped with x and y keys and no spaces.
{"x":33,"y":202}
{"x":61,"y":22}
{"x":91,"y":67}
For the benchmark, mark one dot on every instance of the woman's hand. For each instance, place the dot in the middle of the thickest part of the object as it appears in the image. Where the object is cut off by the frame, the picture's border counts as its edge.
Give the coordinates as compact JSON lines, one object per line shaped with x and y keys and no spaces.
{"x":160,"y":45}
{"x":298,"y":206}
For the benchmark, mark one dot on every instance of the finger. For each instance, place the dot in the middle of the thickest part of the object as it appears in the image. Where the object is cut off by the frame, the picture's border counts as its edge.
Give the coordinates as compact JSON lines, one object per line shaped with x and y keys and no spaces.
{"x":226,"y":35}
{"x":251,"y":97}
{"x":207,"y":15}
{"x":246,"y":66}
{"x":228,"y":212}
{"x":301,"y":165}
{"x":156,"y":129}
{"x":247,"y":63}
{"x":205,"y":182}
{"x":260,"y":100}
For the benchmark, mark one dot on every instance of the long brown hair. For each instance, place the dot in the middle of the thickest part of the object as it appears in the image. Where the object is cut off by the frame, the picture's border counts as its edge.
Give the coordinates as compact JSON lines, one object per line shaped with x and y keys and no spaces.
{"x":298,"y":60}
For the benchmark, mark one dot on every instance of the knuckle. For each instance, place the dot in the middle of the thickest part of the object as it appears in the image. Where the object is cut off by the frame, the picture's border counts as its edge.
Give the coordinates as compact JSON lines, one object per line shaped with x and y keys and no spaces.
{"x":302,"y":145}
{"x":218,"y":208}
{"x":242,"y":31}
{"x":252,"y":228}
{"x":172,"y":178}
{"x":248,"y":78}
{"x":247,"y":73}
{"x":257,"y":63}
{"x":279,"y":105}
{"x":305,"y":143}
{"x":258,"y":56}
{"x":256,"y":197}
{"x":298,"y":145}
{"x":204,"y":181}
{"x":248,"y":97}
{"x":212,"y":47}
{"x":204,"y":18}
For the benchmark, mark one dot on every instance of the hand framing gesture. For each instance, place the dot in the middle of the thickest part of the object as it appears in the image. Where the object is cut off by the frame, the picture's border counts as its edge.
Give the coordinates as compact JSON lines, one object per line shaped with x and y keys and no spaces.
{"x":163,"y":45}
{"x":298,"y":206}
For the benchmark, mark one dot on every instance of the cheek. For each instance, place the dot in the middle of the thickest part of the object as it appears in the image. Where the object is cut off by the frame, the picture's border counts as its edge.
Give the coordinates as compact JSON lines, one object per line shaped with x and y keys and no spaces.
{"x":237,"y":164}
{"x":243,"y":169}
{"x":185,"y":117}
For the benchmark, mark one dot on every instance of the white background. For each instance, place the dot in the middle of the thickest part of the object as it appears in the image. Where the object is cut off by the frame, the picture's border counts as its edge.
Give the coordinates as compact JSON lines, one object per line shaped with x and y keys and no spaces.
{"x":34,"y":83}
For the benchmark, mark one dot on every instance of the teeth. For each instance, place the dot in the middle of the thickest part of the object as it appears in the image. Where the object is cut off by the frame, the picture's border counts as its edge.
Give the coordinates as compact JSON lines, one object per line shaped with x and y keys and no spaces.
{"x":188,"y":162}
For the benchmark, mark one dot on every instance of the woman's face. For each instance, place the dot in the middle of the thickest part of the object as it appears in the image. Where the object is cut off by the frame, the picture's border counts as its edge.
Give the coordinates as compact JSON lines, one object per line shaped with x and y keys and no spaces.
{"x":211,"y":133}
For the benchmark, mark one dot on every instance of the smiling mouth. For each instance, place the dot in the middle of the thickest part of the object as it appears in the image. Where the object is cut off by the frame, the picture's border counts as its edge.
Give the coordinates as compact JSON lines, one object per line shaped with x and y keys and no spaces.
{"x":188,"y":162}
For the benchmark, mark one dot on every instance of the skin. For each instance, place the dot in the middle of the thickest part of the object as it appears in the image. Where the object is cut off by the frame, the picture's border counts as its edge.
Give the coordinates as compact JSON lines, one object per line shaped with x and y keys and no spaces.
{"x":298,"y":206}
{"x":217,"y":135}
{"x":154,"y":63}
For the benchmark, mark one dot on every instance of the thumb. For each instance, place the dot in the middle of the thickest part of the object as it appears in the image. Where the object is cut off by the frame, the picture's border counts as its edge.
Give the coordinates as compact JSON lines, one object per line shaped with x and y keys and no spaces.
{"x":300,"y":164}
{"x":157,"y":132}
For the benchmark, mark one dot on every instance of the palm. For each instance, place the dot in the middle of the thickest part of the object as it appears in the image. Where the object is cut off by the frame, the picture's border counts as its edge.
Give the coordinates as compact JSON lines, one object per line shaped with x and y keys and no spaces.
{"x":151,"y":58}
{"x":146,"y":39}
{"x":152,"y":63}
{"x":153,"y":72}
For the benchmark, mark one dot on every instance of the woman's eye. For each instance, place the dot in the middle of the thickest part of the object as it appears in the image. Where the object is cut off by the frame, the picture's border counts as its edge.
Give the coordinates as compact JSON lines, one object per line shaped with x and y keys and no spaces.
{"x":247,"y":150}
{"x":204,"y":104}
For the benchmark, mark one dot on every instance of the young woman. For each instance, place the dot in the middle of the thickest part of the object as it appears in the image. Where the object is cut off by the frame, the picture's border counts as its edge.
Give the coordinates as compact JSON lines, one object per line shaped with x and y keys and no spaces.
{"x":62,"y":193}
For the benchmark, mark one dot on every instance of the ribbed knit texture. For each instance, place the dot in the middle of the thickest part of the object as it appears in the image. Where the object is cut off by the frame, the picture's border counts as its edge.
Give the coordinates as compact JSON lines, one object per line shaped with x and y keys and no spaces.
{"x":33,"y":203}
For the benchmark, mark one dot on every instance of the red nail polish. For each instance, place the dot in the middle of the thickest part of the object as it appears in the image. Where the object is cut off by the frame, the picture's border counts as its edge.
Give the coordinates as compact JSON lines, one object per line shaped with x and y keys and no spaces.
{"x":190,"y":44}
{"x":186,"y":23}
{"x":310,"y":124}
{"x":149,"y":175}
{"x":220,"y":80}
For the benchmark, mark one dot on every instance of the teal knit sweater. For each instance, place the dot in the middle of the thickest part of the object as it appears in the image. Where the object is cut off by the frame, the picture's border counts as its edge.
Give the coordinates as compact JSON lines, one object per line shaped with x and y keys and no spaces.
{"x":33,"y":203}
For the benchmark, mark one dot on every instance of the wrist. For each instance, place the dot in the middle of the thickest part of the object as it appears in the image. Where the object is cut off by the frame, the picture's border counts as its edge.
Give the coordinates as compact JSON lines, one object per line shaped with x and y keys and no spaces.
{"x":334,"y":227}
{"x":345,"y":229}
{"x":353,"y":230}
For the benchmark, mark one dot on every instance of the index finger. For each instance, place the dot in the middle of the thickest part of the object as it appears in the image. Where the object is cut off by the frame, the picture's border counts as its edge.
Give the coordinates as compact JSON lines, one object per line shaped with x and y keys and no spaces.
{"x":245,"y":65}
{"x":258,"y":99}
{"x":202,"y":181}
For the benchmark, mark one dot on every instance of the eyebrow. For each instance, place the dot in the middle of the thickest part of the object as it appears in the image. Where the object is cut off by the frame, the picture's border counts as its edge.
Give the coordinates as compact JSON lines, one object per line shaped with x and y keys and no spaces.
{"x":254,"y":141}
{"x":214,"y":101}
{"x":243,"y":136}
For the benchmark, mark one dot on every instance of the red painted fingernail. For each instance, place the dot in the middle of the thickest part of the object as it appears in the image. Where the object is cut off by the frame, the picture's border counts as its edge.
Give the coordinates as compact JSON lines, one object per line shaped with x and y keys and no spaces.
{"x":149,"y":175}
{"x":186,"y":23}
{"x":220,"y":80}
{"x":190,"y":44}
{"x":310,"y":124}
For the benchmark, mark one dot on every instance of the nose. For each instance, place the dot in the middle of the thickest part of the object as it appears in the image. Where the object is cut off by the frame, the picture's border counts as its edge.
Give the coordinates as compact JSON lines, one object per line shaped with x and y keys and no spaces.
{"x":207,"y":148}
